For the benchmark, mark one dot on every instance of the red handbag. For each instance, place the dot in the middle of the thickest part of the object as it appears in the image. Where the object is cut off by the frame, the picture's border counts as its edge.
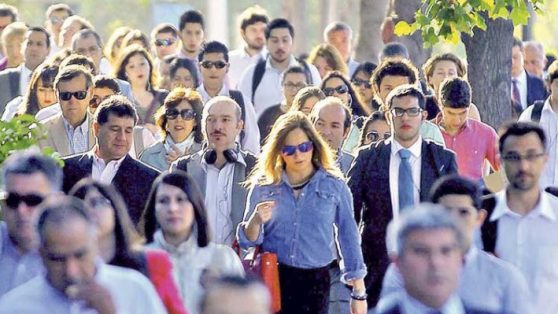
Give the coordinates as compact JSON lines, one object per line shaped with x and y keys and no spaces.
{"x":264,"y":266}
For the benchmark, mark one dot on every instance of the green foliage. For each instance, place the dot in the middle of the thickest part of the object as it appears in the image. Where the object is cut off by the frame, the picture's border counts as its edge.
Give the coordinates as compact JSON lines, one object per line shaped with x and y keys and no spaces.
{"x":447,"y":19}
{"x":20,"y":133}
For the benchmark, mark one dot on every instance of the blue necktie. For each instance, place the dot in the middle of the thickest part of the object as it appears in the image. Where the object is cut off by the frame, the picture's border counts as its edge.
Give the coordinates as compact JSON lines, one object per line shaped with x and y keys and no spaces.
{"x":405,"y":181}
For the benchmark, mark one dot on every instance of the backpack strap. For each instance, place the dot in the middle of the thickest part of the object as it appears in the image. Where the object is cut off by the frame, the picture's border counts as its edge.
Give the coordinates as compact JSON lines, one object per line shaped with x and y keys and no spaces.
{"x":537,"y":111}
{"x":259,"y":71}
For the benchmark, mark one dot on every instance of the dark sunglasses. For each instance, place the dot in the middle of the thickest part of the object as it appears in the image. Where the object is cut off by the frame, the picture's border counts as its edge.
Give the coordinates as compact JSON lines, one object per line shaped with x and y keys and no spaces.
{"x":80,"y":95}
{"x":164,"y":42}
{"x":359,"y":82}
{"x":186,"y":114}
{"x":96,"y":101}
{"x":13,"y":200}
{"x":290,"y":150}
{"x":218,"y":64}
{"x":374,"y":136}
{"x":341,"y":89}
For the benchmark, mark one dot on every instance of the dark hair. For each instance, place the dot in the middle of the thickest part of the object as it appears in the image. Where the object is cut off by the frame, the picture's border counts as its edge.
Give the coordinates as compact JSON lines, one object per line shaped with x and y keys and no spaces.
{"x":293,"y":70}
{"x":455,"y":93}
{"x":552,"y":73}
{"x":191,"y":16}
{"x":395,"y":67}
{"x":303,"y":95}
{"x":394,"y":50}
{"x":124,"y":59}
{"x":278,"y":23}
{"x":84,"y":34}
{"x":104,"y":81}
{"x":406,"y":90}
{"x":517,"y":43}
{"x":125,"y":235}
{"x":175,"y":97}
{"x":117,"y":105}
{"x":40,"y":30}
{"x":456,"y":184}
{"x":27,"y":162}
{"x":366,"y":67}
{"x":46,"y":74}
{"x":375,"y":116}
{"x":182,"y":180}
{"x":187,"y":64}
{"x":430,"y":65}
{"x":164,"y":28}
{"x":81,"y":60}
{"x":8,"y":10}
{"x":253,"y":15}
{"x":69,"y":72}
{"x":356,"y":105}
{"x":213,"y":47}
{"x":521,"y":129}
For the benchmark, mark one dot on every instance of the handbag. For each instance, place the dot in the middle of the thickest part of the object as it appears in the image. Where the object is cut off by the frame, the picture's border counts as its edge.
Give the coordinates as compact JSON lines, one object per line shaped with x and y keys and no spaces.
{"x":263,"y":265}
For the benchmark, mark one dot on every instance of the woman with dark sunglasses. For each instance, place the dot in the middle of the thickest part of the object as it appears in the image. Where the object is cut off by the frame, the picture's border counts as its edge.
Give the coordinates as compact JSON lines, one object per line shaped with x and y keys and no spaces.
{"x":297,"y":196}
{"x":179,"y":122}
{"x":374,"y":129}
{"x":363,"y":86}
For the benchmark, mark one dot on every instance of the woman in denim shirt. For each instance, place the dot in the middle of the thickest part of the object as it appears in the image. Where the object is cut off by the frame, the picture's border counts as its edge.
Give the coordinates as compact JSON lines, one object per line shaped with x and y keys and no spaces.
{"x":297,"y":195}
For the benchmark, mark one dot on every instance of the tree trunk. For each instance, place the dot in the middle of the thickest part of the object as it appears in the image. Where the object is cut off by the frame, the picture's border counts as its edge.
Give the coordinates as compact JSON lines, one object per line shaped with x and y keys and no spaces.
{"x":489,"y":55}
{"x":369,"y":41}
{"x":295,"y":11}
{"x":405,"y":10}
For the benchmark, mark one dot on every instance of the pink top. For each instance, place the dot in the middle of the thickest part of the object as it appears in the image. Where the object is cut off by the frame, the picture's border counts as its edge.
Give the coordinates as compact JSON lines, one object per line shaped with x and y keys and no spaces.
{"x":475,"y":142}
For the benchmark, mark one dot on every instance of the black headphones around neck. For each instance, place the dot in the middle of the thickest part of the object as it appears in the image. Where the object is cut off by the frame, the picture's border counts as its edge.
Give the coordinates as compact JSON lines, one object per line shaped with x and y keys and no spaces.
{"x":210,"y":155}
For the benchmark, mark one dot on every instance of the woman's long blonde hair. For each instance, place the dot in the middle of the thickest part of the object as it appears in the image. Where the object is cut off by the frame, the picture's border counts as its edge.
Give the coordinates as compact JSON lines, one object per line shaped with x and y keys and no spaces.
{"x":270,"y":163}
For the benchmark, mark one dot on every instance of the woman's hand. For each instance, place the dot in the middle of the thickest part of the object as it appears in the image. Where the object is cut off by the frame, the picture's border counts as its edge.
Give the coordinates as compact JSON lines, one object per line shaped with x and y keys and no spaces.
{"x":173,"y":154}
{"x":358,"y":307}
{"x":263,"y":212}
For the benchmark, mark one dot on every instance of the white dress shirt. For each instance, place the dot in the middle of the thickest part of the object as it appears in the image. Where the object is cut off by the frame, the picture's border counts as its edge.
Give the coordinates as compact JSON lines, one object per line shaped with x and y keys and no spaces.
{"x":394,"y":161}
{"x":239,"y":61}
{"x":24,"y":79}
{"x":269,"y":91}
{"x":105,"y":172}
{"x":530,"y":243}
{"x":522,"y":87}
{"x":131,"y":292}
{"x":251,"y":141}
{"x":78,"y":137}
{"x":549,"y":123}
{"x":218,"y":200}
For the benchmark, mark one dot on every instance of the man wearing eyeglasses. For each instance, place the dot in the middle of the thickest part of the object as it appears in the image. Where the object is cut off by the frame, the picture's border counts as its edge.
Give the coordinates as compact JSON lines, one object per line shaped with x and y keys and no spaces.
{"x":221,"y":167}
{"x":391,"y":176}
{"x":472,"y":141}
{"x":69,"y":132}
{"x":28,"y":177}
{"x":214,"y":66}
{"x":109,"y":160}
{"x":522,"y":224}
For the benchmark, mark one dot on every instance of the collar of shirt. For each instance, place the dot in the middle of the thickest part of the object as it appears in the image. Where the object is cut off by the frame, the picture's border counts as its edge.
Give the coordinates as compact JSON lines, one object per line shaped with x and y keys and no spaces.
{"x":471,"y":254}
{"x":205,"y":96}
{"x":415,"y":149}
{"x":186,"y":247}
{"x":317,"y":176}
{"x":83,"y":128}
{"x":522,"y":78}
{"x":100,"y":163}
{"x":245,"y":55}
{"x":25,"y":72}
{"x":452,"y":306}
{"x":239,"y":159}
{"x":543,"y":208}
{"x":439,"y":121}
{"x":182,"y":146}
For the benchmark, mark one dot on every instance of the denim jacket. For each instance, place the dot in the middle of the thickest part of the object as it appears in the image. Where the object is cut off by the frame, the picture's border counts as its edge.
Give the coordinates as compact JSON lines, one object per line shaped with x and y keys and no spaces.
{"x":301,"y":230}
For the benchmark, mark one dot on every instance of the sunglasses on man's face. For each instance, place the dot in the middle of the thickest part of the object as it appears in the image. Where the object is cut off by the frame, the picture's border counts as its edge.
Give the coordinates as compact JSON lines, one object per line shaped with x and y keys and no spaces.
{"x":80,"y":95}
{"x":209,"y":64}
{"x":164,"y":42}
{"x":14,"y":199}
{"x":341,"y":89}
{"x":186,"y":114}
{"x":374,"y":136}
{"x":359,"y":82}
{"x":290,"y":150}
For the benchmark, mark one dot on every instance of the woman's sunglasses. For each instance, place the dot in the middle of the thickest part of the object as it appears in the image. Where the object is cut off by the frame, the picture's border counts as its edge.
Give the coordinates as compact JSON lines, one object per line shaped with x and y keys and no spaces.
{"x":374,"y":136}
{"x":290,"y":150}
{"x":186,"y":114}
{"x":341,"y":89}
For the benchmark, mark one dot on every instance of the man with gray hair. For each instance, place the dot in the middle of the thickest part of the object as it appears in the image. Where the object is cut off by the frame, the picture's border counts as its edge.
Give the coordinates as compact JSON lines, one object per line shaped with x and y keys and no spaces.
{"x":535,"y":59}
{"x":28,"y":177}
{"x":430,"y":252}
{"x":221,"y":167}
{"x":76,"y":280}
{"x":340,"y":36}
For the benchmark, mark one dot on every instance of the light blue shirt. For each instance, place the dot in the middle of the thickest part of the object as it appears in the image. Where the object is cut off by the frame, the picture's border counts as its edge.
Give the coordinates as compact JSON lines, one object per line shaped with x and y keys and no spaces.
{"x":15,"y":268}
{"x":487,"y":283}
{"x":301,"y":230}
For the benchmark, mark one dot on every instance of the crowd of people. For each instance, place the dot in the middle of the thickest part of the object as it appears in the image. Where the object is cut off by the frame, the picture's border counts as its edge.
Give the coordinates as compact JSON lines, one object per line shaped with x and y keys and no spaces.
{"x":377,"y":186}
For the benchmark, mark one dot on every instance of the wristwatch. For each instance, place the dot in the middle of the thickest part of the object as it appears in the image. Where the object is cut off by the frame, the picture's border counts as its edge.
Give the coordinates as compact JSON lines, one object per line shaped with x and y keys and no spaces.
{"x":359,"y":295}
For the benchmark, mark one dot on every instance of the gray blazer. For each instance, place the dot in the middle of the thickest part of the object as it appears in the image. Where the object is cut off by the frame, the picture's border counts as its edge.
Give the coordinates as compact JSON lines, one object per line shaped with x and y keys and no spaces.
{"x":9,"y":86}
{"x":192,"y":165}
{"x":156,"y":155}
{"x":57,"y":137}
